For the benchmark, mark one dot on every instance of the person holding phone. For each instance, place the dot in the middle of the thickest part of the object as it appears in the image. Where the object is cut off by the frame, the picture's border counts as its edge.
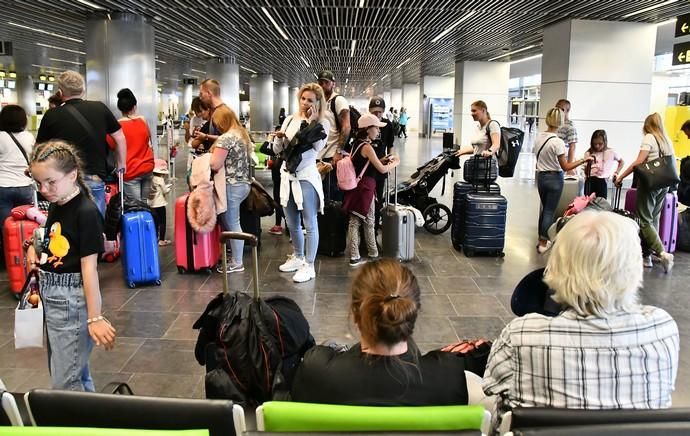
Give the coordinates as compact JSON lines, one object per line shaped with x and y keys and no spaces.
{"x":300,"y":139}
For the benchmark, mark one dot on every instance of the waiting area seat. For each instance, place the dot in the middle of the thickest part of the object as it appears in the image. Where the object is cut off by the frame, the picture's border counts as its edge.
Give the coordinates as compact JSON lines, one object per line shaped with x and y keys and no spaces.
{"x":55,"y":408}
{"x":544,"y":420}
{"x":287,"y":417}
{"x":10,"y":414}
{"x":79,"y":431}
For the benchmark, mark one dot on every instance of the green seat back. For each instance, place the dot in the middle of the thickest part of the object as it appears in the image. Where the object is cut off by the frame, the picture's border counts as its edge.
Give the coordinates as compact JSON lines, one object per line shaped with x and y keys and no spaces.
{"x":73,"y":431}
{"x":280,"y":416}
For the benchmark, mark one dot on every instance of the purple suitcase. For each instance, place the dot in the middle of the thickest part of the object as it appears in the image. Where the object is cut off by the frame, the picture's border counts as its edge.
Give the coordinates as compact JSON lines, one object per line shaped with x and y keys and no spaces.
{"x":668,"y":221}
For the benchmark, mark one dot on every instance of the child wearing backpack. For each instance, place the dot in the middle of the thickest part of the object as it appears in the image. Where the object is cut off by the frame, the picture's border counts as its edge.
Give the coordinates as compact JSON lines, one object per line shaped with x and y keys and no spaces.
{"x":603,"y":166}
{"x":159,"y":199}
{"x":67,"y":267}
{"x":360,"y":199}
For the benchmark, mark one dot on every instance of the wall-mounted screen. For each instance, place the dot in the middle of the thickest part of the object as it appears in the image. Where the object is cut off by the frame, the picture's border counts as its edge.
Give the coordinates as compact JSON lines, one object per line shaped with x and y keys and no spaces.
{"x":11,"y":84}
{"x":49,"y":86}
{"x":41,"y":86}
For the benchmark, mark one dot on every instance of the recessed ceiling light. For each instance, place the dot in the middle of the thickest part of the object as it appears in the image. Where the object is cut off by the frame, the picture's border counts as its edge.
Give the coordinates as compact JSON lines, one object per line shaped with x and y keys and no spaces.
{"x":278,"y":28}
{"x":45,"y":32}
{"x":452,"y":26}
{"x":658,"y":5}
{"x":160,"y":61}
{"x":361,"y":3}
{"x":198,"y":71}
{"x":352,"y":47}
{"x":528,"y":58}
{"x":89,"y":4}
{"x":193,"y":47}
{"x":60,"y":48}
{"x":348,"y":70}
{"x":512,"y":52}
{"x":403,"y":63}
{"x":13,"y":75}
{"x":248,"y":69}
{"x":66,"y":61}
{"x":305,"y":62}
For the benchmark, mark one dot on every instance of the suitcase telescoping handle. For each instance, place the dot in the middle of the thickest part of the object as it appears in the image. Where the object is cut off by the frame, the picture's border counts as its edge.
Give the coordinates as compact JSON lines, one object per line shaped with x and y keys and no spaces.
{"x":121,"y":188}
{"x":249,"y":239}
{"x":395,"y":188}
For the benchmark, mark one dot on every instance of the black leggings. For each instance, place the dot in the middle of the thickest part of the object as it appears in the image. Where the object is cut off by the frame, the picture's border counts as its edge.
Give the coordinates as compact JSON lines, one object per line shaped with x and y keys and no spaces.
{"x":159,"y":218}
{"x":275,"y":176}
{"x":596,"y":185}
{"x":403,"y":130}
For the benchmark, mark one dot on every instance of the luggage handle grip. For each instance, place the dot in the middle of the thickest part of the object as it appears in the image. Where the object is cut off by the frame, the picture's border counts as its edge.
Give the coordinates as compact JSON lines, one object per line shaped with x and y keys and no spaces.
{"x":254,"y":243}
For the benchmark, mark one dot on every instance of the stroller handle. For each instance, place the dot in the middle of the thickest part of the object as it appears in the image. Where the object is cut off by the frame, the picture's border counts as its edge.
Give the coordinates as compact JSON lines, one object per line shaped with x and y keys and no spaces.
{"x":246,"y":237}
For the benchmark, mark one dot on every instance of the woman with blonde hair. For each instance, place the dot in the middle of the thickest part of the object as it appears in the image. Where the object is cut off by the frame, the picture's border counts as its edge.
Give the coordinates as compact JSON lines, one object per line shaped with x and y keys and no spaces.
{"x":487,"y":140}
{"x":551,"y":162}
{"x":385,"y":368}
{"x":299,"y":140}
{"x":231,"y":150}
{"x":650,"y":201}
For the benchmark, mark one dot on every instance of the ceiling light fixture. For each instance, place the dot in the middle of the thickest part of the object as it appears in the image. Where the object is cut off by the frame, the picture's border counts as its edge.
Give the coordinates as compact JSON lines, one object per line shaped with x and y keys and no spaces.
{"x":42,"y":77}
{"x":282,"y":33}
{"x":315,"y":76}
{"x":160,"y":61}
{"x":663,"y":23}
{"x":348,"y":70}
{"x":512,"y":52}
{"x":352,"y":47}
{"x":89,"y":4}
{"x":51,"y":78}
{"x":384,"y":77}
{"x":642,"y":11}
{"x":347,"y":80}
{"x":66,"y":61}
{"x":246,"y":69}
{"x":2,"y":73}
{"x":452,"y":26}
{"x":305,"y":62}
{"x":198,"y":71}
{"x":528,"y":58}
{"x":361,"y":3}
{"x":190,"y":75}
{"x":60,"y":48}
{"x":193,"y":47}
{"x":13,"y":75}
{"x":403,"y":63}
{"x":45,"y":32}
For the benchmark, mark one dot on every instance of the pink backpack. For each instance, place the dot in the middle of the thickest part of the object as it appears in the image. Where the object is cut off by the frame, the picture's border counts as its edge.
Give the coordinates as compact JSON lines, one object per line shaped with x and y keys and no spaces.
{"x":345,"y":172}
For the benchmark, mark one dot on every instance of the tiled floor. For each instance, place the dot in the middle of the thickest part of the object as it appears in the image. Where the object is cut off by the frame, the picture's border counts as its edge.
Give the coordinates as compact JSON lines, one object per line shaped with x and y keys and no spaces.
{"x":462,"y":298}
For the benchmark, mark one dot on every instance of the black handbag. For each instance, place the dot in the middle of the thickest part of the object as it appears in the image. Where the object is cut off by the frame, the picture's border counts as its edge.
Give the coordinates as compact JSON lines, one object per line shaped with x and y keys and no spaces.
{"x":658,"y":173}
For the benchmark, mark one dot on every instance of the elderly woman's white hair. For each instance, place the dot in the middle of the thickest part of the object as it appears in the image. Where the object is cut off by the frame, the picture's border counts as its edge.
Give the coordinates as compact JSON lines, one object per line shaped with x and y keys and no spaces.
{"x":595,"y":266}
{"x":71,"y":83}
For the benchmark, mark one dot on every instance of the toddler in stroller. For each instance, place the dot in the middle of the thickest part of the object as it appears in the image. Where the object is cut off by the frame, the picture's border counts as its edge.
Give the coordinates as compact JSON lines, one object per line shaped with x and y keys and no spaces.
{"x":415,"y":191}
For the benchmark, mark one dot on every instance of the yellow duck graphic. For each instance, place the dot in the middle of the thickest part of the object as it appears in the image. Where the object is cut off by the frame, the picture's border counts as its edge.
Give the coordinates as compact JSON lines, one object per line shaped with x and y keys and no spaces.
{"x":58,"y":245}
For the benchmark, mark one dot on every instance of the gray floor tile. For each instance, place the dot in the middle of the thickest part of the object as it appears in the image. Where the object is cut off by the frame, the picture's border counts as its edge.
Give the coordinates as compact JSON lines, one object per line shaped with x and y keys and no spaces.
{"x":141,"y":324}
{"x":165,"y":385}
{"x":473,"y":327}
{"x":434,"y":329}
{"x":112,"y":361}
{"x":165,"y":356}
{"x":181,"y":328}
{"x":438,"y":305}
{"x":454,"y":285}
{"x":477,"y":305}
{"x":153,"y":301}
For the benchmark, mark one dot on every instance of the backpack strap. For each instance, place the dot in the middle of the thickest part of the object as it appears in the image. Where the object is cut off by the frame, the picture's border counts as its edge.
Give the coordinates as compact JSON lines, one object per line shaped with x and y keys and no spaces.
{"x":336,"y":115}
{"x":19,"y":146}
{"x":366,"y":165}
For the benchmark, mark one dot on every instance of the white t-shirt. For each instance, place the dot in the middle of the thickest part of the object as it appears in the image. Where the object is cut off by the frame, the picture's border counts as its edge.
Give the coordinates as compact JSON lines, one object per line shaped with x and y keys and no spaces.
{"x":548,"y":157}
{"x":481,"y":141}
{"x":650,"y":144}
{"x":290,"y":127}
{"x":12,"y":163}
{"x":341,"y":104}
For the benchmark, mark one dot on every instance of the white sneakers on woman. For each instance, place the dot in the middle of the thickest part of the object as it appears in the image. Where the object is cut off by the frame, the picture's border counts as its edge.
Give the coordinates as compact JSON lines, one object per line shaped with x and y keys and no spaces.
{"x":304,"y":271}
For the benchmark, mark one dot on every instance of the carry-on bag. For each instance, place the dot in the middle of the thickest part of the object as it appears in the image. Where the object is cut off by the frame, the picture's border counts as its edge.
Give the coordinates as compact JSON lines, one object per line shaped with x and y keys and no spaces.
{"x":250,"y":346}
{"x":397,"y":225}
{"x":480,"y":170}
{"x":332,"y":227}
{"x":460,"y":191}
{"x":193,"y":251}
{"x":140,"y":264}
{"x":14,"y":232}
{"x":668,"y":220}
{"x":571,"y":189}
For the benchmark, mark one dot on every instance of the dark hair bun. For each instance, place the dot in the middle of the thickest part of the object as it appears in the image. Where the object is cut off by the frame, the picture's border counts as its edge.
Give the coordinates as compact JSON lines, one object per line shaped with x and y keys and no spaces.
{"x":125,"y":93}
{"x":126,"y":100}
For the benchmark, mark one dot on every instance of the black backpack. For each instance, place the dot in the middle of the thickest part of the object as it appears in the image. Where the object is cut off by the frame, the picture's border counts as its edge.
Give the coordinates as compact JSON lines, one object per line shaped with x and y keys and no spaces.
{"x":509,"y":151}
{"x":354,"y":119}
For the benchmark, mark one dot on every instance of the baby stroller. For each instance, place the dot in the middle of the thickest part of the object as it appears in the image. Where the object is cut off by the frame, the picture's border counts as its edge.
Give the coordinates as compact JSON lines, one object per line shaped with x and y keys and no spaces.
{"x":415,"y":191}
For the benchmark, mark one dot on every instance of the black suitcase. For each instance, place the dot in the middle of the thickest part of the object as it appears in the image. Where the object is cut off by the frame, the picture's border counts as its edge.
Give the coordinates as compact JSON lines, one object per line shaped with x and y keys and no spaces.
{"x":480,"y":170}
{"x":485,"y":224}
{"x":460,"y":191}
{"x":250,"y":223}
{"x":332,"y":229}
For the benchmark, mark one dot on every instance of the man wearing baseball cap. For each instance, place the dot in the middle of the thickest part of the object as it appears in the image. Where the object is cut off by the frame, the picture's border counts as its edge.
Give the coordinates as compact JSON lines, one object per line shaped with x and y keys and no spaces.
{"x":383,"y":146}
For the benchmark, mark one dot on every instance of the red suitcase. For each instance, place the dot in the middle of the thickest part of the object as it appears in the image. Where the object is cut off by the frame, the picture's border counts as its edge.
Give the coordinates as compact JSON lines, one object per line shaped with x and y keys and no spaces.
{"x":668,"y":221}
{"x":111,"y":190}
{"x":193,"y":251}
{"x":14,"y":233}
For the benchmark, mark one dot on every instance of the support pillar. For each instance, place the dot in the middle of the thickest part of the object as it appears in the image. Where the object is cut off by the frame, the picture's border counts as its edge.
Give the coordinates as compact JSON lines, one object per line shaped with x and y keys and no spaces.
{"x":411,"y":102}
{"x":387,"y":99}
{"x":26,"y":94}
{"x":187,"y":97}
{"x":261,"y":107}
{"x":294,"y":100}
{"x":227,"y":73}
{"x":280,"y":100}
{"x":396,"y":98}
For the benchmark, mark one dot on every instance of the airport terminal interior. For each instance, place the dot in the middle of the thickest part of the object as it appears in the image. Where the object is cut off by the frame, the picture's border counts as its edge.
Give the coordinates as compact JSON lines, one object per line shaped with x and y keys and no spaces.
{"x":433,"y":57}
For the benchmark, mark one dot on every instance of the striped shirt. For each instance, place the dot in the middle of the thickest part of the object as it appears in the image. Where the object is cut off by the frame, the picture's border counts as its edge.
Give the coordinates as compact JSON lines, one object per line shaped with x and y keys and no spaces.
{"x":628,"y":360}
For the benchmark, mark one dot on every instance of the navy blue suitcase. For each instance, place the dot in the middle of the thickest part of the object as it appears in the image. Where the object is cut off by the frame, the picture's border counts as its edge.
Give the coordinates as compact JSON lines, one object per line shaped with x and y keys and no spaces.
{"x":140,"y":262}
{"x":460,"y":191}
{"x":485,"y":224}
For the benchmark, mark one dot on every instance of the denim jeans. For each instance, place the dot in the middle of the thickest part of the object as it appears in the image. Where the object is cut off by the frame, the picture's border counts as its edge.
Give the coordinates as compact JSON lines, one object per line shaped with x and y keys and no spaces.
{"x":550,"y":187}
{"x":649,"y":205}
{"x":98,"y":191}
{"x":139,"y":188}
{"x":69,"y":342}
{"x":235,"y":194}
{"x":310,"y":207}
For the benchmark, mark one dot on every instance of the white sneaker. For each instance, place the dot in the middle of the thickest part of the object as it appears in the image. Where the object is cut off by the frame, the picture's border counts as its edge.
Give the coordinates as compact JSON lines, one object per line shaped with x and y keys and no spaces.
{"x":647,"y":262}
{"x":292,"y":264}
{"x":666,"y":261}
{"x":304,"y":274}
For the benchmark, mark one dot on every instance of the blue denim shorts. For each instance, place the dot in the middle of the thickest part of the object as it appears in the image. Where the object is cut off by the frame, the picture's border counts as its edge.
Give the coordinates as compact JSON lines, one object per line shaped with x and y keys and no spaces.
{"x":69,"y":343}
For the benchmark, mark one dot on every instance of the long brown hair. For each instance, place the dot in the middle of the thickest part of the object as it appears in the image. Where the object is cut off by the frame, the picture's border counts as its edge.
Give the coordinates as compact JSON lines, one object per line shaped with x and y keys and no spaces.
{"x":65,"y":159}
{"x":226,"y":120}
{"x":385,"y":302}
{"x":655,"y":126}
{"x":482,"y":105}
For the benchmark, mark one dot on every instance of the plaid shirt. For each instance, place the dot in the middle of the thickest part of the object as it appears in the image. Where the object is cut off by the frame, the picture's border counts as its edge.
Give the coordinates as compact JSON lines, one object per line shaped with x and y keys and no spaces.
{"x":567,"y":133}
{"x":628,"y":360}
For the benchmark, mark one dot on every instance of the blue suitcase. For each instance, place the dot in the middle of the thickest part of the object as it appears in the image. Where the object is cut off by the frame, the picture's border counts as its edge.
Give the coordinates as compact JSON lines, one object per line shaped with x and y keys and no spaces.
{"x":485,"y":224}
{"x":460,"y":191}
{"x":140,"y":263}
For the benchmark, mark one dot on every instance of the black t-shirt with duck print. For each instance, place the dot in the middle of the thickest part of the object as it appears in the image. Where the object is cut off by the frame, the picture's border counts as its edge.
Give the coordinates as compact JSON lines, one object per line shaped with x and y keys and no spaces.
{"x":73,"y":230}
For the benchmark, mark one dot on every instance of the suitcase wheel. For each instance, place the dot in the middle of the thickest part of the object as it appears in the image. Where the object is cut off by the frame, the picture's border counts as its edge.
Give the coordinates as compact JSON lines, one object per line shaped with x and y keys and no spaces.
{"x":158,"y":282}
{"x":208,"y":271}
{"x":457,"y":246}
{"x":131,"y":285}
{"x":468,"y":252}
{"x":181,"y":270}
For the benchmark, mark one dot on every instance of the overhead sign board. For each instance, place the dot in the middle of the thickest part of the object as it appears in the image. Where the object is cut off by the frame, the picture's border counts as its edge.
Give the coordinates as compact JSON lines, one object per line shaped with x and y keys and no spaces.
{"x":683,"y":25}
{"x":681,"y":53}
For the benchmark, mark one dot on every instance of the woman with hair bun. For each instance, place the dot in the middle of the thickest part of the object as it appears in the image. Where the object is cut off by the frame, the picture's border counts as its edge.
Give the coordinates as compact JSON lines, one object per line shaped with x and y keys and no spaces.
{"x":385,"y":368}
{"x":139,"y":173}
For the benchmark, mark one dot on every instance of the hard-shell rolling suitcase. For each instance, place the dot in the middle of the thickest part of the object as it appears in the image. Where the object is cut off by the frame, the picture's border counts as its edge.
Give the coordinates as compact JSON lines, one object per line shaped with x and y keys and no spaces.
{"x":193,"y":251}
{"x":668,"y":220}
{"x":460,"y":191}
{"x":332,"y":228}
{"x":571,"y":188}
{"x":140,"y":263}
{"x":485,"y":224}
{"x":14,"y":233}
{"x":397,"y":225}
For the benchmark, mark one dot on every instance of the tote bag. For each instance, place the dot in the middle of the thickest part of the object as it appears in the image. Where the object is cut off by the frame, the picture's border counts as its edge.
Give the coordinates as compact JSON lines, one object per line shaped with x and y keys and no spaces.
{"x":658,"y":173}
{"x":28,"y":321}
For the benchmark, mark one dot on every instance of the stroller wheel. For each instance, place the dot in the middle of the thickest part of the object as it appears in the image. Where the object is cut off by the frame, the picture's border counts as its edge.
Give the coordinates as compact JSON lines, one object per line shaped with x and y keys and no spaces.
{"x":437,"y":218}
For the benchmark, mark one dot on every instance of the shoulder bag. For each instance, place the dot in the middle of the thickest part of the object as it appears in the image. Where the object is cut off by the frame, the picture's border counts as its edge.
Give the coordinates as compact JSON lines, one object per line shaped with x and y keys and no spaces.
{"x":658,"y":173}
{"x":110,"y":161}
{"x":19,"y":146}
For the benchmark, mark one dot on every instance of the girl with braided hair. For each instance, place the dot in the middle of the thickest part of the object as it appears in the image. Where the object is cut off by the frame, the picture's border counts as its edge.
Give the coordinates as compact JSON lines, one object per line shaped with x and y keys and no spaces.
{"x":68,"y":279}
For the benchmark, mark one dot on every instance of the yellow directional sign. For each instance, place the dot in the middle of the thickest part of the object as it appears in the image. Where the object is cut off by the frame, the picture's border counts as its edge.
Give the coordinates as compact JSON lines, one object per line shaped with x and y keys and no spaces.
{"x":683,"y":25}
{"x":681,"y":53}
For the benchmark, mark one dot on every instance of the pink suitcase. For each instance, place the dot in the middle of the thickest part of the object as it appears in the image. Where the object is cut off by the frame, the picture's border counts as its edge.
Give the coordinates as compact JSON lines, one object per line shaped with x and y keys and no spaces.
{"x":193,"y":251}
{"x":668,"y":221}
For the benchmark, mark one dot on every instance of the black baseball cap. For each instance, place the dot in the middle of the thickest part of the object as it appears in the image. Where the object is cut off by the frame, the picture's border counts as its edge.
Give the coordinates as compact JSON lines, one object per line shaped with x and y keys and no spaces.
{"x":377,"y":102}
{"x":326,"y":75}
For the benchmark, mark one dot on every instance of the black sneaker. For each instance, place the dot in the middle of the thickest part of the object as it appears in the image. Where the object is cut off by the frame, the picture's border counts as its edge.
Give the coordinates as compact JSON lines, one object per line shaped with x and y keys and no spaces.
{"x":357,"y":262}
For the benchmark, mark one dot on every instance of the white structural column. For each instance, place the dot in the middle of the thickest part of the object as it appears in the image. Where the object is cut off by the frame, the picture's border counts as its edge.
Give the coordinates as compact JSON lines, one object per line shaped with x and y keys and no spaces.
{"x":294,"y":100}
{"x":435,"y":87}
{"x":396,"y":98}
{"x":26,"y":94}
{"x":412,"y":103}
{"x":387,"y":98}
{"x":280,"y":100}
{"x":227,"y":73}
{"x":487,"y":81}
{"x":605,"y":69}
{"x":261,"y":98}
{"x":187,"y":97}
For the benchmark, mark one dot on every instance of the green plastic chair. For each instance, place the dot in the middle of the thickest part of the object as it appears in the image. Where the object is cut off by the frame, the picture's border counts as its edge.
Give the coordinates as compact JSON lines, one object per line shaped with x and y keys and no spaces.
{"x":74,"y":431}
{"x":282,"y":416}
